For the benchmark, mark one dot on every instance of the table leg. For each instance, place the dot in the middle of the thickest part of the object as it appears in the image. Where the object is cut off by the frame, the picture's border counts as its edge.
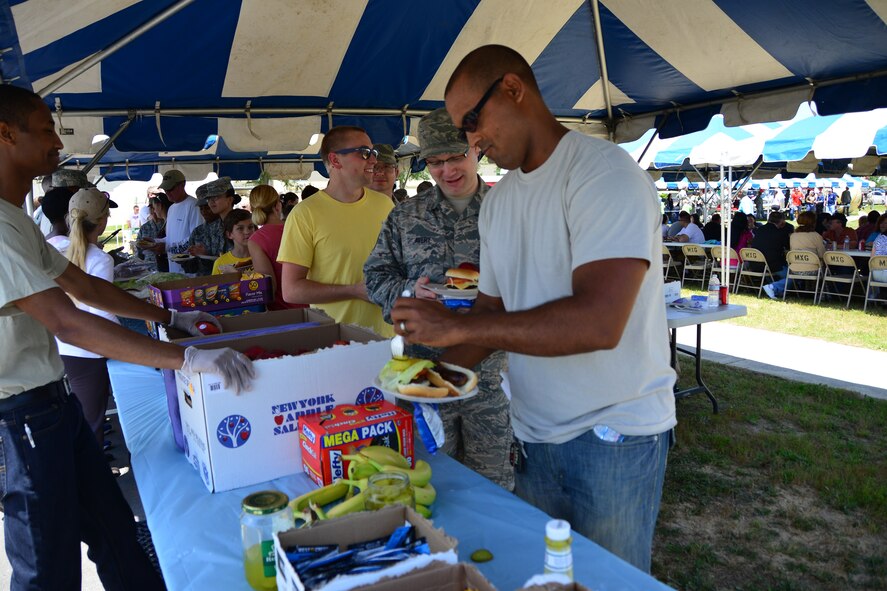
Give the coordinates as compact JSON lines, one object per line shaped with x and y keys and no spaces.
{"x":700,"y":384}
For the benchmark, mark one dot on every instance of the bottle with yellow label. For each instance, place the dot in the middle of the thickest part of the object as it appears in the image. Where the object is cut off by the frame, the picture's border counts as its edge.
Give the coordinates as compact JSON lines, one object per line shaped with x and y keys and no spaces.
{"x":558,"y":548}
{"x":264,"y":514}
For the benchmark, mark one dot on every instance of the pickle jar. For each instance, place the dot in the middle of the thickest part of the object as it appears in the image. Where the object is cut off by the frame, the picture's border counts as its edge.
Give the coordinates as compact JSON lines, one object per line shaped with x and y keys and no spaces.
{"x":389,"y":488}
{"x":263,"y":514}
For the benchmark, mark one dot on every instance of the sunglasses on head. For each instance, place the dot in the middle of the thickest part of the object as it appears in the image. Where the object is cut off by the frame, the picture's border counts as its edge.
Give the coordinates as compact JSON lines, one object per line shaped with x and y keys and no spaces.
{"x":364,"y":151}
{"x":469,"y":119}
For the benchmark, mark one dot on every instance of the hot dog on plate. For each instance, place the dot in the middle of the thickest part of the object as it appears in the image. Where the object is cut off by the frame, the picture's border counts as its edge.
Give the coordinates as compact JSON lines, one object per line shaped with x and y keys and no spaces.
{"x":427,"y":379}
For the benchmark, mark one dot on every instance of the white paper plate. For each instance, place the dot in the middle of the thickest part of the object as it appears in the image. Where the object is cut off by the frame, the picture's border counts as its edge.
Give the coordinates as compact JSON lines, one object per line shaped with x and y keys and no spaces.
{"x":471,"y":394}
{"x":180,"y":258}
{"x":450,"y":293}
{"x":207,"y":257}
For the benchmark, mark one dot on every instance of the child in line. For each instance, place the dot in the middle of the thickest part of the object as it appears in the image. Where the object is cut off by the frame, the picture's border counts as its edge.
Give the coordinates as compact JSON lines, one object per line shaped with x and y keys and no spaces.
{"x":238,"y":226}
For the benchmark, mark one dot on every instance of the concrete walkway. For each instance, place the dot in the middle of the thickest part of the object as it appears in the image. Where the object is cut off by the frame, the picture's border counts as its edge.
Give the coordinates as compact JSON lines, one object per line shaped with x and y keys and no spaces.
{"x":793,"y":358}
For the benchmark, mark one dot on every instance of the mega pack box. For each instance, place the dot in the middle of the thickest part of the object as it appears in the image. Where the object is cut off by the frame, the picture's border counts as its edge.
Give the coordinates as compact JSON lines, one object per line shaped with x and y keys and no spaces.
{"x":326,"y":437}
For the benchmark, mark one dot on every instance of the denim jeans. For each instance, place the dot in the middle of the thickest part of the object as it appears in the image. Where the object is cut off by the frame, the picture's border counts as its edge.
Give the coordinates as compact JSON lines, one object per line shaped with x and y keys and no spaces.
{"x":608,"y":491}
{"x":57,"y":491}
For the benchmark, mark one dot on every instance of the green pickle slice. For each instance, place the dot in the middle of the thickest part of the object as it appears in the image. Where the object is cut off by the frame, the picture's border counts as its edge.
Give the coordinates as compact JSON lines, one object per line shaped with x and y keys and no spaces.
{"x":482,"y":555}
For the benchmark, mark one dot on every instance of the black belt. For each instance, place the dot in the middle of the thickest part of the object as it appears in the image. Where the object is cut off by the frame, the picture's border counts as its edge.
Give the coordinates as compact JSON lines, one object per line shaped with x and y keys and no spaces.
{"x":57,"y":389}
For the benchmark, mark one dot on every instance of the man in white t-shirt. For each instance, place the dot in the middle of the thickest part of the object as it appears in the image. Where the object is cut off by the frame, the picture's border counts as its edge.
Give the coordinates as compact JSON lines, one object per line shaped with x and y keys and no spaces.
{"x":691,"y":232}
{"x":578,"y":307}
{"x":747,"y":205}
{"x":181,"y":219}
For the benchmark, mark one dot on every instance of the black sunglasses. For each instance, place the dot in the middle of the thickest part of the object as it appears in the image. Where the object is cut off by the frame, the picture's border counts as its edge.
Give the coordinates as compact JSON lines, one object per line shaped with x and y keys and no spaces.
{"x":469,"y":119}
{"x":365,"y":152}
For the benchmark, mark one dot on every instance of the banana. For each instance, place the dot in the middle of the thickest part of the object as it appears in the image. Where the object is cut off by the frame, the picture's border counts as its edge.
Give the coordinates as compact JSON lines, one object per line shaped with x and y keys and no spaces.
{"x":320,"y":496}
{"x":419,"y":476}
{"x":384,"y":455}
{"x":361,"y":470}
{"x":317,"y":510}
{"x":424,"y":495}
{"x":423,"y":511}
{"x":351,"y":505}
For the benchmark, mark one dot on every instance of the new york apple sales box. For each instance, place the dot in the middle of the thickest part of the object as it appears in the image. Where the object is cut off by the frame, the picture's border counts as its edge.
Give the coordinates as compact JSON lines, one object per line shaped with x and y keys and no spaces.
{"x":237,"y":440}
{"x":327,"y":436}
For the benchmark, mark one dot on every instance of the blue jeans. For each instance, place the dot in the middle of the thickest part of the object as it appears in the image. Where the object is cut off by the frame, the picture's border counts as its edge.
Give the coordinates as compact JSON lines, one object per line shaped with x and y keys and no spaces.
{"x":608,"y":491}
{"x":57,"y":491}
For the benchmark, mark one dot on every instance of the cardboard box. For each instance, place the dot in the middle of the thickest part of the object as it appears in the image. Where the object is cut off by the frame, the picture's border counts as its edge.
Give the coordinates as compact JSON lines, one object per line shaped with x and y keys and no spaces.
{"x":672,"y":291}
{"x":361,"y":527}
{"x":238,"y":440}
{"x":212,"y":292}
{"x":438,"y":576}
{"x":326,"y":437}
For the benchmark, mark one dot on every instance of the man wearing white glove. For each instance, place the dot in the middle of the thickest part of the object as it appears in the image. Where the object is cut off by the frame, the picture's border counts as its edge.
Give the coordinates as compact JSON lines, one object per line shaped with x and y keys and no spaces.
{"x":57,"y":484}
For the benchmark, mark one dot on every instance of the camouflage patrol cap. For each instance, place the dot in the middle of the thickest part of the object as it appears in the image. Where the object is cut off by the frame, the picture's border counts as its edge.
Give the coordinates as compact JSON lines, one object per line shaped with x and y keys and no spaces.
{"x":68,"y":177}
{"x":213,"y":188}
{"x":386,"y":154}
{"x":438,"y":135}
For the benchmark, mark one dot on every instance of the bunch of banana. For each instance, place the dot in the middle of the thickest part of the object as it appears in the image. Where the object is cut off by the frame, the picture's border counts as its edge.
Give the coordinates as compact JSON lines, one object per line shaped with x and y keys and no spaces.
{"x":363,"y":464}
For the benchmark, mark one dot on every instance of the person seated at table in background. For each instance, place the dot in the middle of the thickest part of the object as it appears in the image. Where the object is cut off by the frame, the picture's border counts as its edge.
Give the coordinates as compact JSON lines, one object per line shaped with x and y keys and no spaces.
{"x":877,"y":229}
{"x":879,"y":248}
{"x":673,"y":229}
{"x":773,"y":241}
{"x":694,"y":217}
{"x":740,"y":235}
{"x":867,"y":225}
{"x":153,"y":229}
{"x":664,"y":225}
{"x":712,"y":230}
{"x":689,"y":232}
{"x":803,"y":238}
{"x":238,"y":227}
{"x":838,"y":231}
{"x":267,"y":213}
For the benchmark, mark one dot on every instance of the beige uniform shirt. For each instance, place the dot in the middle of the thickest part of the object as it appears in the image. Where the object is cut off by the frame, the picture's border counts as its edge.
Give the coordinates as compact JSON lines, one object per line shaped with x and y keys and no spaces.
{"x":28,"y":353}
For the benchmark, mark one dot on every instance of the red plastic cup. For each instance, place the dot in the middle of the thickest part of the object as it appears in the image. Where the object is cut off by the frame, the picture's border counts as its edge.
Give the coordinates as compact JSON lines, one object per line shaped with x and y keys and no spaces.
{"x":723,"y":295}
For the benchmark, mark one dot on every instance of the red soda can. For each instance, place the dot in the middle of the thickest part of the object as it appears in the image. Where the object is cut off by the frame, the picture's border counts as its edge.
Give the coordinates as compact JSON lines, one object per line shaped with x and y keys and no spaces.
{"x":723,"y":295}
{"x":862,"y":245}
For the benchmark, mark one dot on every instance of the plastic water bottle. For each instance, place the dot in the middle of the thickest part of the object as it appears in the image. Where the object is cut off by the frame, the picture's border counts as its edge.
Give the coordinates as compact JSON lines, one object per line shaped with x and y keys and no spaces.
{"x":558,"y":548}
{"x":846,"y":242}
{"x":714,"y":291}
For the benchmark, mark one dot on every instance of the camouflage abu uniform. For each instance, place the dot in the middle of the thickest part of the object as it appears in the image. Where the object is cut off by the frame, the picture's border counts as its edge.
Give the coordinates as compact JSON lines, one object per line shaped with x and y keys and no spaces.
{"x":212,"y":236}
{"x":423,"y":237}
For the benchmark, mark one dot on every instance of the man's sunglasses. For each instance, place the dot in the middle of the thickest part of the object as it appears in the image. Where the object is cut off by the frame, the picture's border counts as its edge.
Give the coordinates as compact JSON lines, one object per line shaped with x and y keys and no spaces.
{"x":365,"y":152}
{"x":469,"y":119}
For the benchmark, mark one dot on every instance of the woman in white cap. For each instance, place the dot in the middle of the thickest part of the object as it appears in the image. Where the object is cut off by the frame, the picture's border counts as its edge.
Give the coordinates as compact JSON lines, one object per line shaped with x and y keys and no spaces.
{"x":87,"y":372}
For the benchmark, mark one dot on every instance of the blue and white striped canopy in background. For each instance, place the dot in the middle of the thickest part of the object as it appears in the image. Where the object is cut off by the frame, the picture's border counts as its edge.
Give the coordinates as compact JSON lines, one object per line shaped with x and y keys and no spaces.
{"x":268,"y":75}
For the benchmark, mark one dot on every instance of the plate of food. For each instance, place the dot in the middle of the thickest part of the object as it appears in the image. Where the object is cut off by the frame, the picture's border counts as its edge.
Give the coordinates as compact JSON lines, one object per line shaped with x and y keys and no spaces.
{"x":461,"y":283}
{"x":422,"y":380}
{"x":145,"y":243}
{"x":451,"y":292}
{"x":181,"y":257}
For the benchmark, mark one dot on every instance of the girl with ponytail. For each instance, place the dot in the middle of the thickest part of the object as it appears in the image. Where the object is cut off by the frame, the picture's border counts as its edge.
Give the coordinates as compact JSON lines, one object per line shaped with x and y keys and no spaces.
{"x":264,"y":243}
{"x":88,"y":213}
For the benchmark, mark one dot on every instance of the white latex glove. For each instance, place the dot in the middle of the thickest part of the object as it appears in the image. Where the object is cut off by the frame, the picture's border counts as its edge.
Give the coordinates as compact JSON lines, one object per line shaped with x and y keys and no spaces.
{"x":187,"y":321}
{"x":235,"y":368}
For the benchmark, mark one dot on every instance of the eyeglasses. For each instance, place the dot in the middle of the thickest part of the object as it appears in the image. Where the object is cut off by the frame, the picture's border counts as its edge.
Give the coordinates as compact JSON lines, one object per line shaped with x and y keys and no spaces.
{"x":469,"y":119}
{"x":384,"y":168}
{"x":438,"y":164}
{"x":364,"y":151}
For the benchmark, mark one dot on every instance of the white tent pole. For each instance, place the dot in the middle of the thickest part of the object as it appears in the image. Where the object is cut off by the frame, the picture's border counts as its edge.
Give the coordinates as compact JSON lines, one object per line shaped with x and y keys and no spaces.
{"x":602,"y":62}
{"x":96,"y":58}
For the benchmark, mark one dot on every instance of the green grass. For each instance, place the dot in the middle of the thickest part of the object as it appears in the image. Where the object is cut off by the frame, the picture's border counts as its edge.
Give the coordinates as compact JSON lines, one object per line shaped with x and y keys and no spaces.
{"x":785,"y":488}
{"x":828,"y":321}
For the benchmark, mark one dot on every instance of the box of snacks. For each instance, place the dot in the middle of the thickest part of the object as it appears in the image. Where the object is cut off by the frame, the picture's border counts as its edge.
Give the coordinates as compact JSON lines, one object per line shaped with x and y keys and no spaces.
{"x":336,"y":553}
{"x":213,"y":292}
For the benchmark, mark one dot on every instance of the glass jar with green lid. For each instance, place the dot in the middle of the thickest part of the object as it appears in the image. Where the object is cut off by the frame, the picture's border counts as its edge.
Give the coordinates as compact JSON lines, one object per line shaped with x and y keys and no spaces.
{"x":263,"y":514}
{"x":389,"y":488}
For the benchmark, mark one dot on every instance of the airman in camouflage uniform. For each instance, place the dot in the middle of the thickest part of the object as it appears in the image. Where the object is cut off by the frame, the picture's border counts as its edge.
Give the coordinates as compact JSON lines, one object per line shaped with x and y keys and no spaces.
{"x":423,"y":237}
{"x":73,"y":179}
{"x":212,"y":234}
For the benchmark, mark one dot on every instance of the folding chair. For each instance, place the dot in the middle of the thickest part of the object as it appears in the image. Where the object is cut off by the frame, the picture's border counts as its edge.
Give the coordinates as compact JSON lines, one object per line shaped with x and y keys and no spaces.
{"x":840,"y":260}
{"x":876,"y":263}
{"x":695,"y":260}
{"x":751,"y":257}
{"x":717,"y":253}
{"x":669,"y":264}
{"x":803,"y":266}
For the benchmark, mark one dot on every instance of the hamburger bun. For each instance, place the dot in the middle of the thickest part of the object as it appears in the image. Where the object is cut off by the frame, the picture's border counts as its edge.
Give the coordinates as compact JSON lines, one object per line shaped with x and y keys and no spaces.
{"x":462,"y":278}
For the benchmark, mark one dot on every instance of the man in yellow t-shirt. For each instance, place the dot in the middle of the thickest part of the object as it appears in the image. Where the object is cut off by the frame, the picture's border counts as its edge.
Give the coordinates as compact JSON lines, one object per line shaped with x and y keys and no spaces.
{"x":328,"y":238}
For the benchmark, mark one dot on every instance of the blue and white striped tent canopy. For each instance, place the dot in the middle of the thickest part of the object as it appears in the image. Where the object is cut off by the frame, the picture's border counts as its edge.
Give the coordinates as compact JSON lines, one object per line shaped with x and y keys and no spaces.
{"x":268,"y":75}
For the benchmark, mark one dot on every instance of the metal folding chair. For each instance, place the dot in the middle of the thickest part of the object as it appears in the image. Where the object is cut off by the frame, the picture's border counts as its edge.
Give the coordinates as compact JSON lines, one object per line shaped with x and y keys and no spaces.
{"x":669,"y":264}
{"x":695,"y":260}
{"x":751,"y":257}
{"x":876,"y":263}
{"x":840,"y":260}
{"x":717,"y":253}
{"x":801,"y":265}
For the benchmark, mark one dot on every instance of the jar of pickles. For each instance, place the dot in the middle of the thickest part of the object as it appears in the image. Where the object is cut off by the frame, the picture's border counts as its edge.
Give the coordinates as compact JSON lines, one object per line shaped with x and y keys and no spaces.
{"x":388,"y":488}
{"x":263,"y":514}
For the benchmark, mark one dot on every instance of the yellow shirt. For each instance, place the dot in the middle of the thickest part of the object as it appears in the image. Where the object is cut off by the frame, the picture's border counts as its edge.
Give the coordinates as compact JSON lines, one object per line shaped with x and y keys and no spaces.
{"x":333,"y":240}
{"x":226,"y":258}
